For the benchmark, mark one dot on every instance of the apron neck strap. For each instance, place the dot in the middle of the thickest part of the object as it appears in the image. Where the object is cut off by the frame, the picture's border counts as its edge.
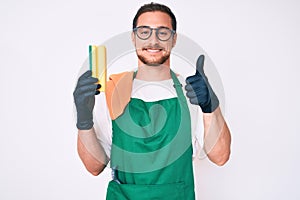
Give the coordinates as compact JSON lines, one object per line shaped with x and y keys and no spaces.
{"x":178,"y":87}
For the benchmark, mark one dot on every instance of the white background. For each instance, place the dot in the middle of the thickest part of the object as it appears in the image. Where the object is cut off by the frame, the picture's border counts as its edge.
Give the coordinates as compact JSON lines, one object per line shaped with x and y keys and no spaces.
{"x":254,"y":44}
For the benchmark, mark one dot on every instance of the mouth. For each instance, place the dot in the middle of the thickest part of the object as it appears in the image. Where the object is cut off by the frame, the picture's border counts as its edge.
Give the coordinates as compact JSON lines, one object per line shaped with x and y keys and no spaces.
{"x":152,"y":50}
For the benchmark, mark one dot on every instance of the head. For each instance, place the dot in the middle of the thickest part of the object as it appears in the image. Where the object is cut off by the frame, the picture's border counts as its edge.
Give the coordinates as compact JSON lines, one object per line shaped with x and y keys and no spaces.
{"x":154,"y":34}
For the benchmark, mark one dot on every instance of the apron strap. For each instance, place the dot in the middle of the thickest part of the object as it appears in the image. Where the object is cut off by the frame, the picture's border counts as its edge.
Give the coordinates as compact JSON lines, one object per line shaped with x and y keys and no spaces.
{"x":178,"y":87}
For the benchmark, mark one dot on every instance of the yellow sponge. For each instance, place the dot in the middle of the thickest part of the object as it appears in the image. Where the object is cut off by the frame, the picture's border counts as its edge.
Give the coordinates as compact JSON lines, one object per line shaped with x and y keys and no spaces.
{"x":97,"y":60}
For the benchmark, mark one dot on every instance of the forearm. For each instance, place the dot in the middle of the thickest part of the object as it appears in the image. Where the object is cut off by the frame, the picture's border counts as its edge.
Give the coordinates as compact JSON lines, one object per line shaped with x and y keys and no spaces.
{"x":217,"y":138}
{"x":91,"y":152}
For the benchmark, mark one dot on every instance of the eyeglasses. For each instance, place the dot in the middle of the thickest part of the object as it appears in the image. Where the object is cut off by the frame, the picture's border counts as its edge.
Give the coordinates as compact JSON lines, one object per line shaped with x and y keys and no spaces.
{"x":145,"y":32}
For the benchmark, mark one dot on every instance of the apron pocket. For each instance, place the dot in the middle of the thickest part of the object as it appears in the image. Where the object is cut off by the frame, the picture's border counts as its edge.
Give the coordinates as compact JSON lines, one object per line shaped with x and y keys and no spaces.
{"x":172,"y":191}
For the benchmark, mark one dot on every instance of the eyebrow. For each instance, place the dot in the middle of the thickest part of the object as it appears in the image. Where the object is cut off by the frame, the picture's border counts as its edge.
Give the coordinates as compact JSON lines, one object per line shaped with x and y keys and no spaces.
{"x":156,"y":27}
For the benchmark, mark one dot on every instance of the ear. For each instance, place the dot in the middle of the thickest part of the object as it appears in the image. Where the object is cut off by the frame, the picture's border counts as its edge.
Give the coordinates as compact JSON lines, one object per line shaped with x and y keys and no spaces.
{"x":174,"y":40}
{"x":133,"y":38}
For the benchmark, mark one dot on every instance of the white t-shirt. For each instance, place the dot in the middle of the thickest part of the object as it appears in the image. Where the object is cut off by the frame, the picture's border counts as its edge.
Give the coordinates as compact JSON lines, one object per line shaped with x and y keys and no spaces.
{"x":148,"y":91}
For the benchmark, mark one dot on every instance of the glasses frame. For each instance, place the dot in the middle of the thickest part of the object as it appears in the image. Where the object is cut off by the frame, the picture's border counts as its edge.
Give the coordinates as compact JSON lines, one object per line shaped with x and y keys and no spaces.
{"x":156,"y":32}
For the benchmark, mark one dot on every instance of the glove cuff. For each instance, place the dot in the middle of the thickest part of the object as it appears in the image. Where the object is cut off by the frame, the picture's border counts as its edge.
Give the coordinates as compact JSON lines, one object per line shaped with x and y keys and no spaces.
{"x":85,"y":125}
{"x":212,"y":105}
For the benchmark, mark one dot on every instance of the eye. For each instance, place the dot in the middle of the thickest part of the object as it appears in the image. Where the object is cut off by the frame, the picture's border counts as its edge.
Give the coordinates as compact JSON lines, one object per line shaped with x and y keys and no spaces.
{"x":145,"y":32}
{"x":163,"y":33}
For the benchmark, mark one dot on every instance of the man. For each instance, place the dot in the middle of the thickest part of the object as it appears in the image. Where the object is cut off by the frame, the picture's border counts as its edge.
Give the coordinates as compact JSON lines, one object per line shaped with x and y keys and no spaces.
{"x":147,"y":134}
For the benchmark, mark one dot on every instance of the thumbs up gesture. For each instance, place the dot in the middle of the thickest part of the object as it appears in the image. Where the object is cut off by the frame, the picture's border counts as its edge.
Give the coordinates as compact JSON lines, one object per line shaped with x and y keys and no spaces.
{"x":199,"y":90}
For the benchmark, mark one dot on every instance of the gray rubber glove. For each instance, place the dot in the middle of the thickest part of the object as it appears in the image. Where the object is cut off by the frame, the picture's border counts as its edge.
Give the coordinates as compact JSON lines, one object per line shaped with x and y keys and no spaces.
{"x":84,"y":97}
{"x":199,"y":90}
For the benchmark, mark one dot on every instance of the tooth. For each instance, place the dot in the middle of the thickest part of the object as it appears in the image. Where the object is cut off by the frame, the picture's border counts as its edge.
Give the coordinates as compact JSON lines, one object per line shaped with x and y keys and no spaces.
{"x":153,"y":50}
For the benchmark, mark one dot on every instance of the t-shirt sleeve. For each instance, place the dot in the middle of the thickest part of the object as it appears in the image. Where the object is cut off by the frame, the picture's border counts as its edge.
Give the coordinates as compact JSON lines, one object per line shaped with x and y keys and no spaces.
{"x":197,"y":128}
{"x":196,"y":122}
{"x":102,"y":123}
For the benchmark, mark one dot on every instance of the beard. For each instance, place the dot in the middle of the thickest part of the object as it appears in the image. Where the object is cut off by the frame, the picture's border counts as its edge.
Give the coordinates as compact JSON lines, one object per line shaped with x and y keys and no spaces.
{"x":153,"y":61}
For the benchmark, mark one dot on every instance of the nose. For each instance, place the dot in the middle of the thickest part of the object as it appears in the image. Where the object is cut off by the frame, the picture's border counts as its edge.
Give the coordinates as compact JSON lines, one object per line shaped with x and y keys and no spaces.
{"x":153,"y":38}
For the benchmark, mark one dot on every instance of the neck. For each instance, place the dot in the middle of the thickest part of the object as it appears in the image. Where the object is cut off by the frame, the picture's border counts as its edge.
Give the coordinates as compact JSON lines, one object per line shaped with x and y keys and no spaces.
{"x":153,"y":73}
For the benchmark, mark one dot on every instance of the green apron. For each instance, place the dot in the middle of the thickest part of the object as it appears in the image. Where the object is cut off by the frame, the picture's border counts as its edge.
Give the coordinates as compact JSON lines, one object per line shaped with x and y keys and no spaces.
{"x":151,"y":154}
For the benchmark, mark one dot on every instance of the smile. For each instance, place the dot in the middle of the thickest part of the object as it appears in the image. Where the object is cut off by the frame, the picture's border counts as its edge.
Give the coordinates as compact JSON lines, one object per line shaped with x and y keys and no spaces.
{"x":152,"y":50}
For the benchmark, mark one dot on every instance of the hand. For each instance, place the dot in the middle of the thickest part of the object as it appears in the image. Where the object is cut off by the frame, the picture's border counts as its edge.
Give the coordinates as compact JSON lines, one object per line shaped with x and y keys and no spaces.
{"x":199,"y":91}
{"x":84,"y":97}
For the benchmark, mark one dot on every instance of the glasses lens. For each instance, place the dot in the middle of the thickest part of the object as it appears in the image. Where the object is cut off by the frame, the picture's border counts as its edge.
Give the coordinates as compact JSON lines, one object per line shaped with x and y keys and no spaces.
{"x":163,"y":33}
{"x":143,"y":32}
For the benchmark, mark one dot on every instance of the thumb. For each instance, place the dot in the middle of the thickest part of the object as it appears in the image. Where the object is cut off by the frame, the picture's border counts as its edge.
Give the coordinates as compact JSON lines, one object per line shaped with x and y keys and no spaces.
{"x":200,"y":64}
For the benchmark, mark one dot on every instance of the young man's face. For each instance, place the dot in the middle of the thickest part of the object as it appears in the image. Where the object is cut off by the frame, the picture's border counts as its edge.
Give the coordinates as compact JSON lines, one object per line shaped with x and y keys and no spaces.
{"x":153,"y":51}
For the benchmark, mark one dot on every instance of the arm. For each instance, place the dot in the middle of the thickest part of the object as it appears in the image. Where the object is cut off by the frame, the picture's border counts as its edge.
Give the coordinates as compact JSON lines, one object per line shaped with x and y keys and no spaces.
{"x":217,"y":137}
{"x":89,"y":149}
{"x":91,"y":152}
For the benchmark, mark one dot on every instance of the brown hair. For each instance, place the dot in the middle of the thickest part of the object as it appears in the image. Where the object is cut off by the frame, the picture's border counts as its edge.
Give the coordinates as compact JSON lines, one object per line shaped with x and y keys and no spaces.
{"x":151,"y":7}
